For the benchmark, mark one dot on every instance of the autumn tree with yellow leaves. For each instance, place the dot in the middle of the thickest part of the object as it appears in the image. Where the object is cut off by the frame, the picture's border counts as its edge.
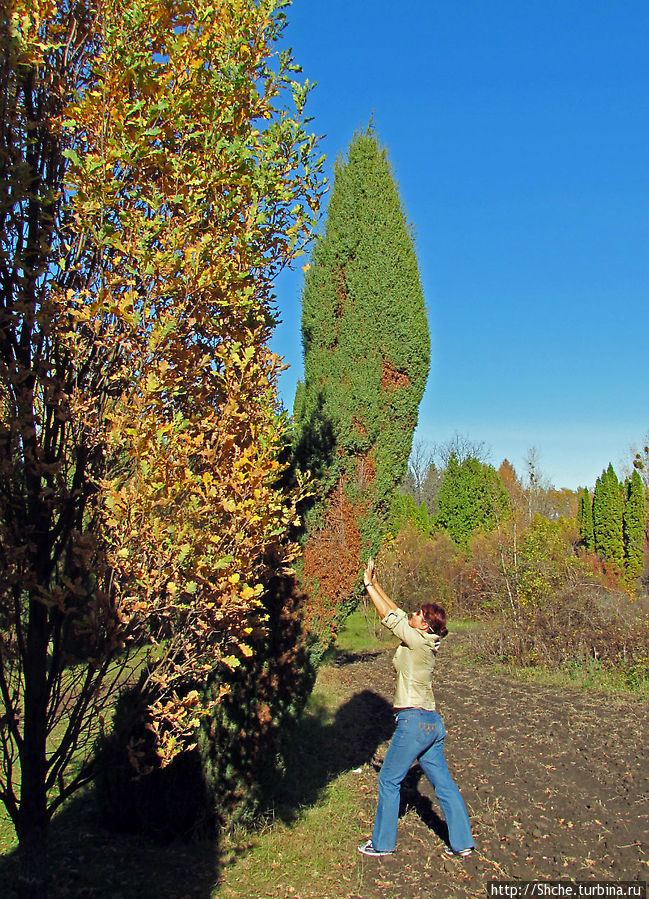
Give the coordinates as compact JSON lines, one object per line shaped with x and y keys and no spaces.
{"x":156,"y":174}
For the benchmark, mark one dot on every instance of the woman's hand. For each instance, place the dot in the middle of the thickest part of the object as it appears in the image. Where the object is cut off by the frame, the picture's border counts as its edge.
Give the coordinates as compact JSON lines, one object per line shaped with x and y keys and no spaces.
{"x":368,"y":574}
{"x":379,"y":597}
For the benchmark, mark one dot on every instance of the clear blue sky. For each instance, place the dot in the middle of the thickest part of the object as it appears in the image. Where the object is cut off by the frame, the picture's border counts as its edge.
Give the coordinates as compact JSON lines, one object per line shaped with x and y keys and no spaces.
{"x":518,"y":132}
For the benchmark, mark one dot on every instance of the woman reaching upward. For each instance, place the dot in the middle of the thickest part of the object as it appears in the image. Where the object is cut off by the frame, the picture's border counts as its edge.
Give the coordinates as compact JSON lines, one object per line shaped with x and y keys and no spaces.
{"x":420,"y":730}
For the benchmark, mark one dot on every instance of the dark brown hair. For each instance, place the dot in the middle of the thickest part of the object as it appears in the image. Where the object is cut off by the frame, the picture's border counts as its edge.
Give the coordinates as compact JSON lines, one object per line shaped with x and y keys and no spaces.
{"x":435,"y":618}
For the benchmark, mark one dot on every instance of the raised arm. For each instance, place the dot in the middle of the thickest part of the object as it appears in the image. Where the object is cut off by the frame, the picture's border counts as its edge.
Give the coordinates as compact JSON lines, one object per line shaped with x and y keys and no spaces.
{"x":382,"y":602}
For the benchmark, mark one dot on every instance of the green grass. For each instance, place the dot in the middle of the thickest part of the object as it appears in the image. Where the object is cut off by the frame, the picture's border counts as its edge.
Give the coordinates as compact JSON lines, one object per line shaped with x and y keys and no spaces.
{"x":588,"y":677}
{"x":312,"y":850}
{"x":305,"y":845}
{"x":363,"y":632}
{"x":7,"y":834}
{"x":464,"y":625}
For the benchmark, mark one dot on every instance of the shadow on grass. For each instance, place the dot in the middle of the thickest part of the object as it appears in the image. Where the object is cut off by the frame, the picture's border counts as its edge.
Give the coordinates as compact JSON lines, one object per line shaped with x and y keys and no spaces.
{"x":91,"y":862}
{"x":321,"y":747}
{"x":342,"y":657}
{"x":88,"y":861}
{"x":320,"y":751}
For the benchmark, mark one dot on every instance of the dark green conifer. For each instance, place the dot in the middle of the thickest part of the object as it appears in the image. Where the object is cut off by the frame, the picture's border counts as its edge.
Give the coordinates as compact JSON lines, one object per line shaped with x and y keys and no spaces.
{"x":608,"y":513}
{"x":366,"y":359}
{"x":634,"y":525}
{"x":585,"y":520}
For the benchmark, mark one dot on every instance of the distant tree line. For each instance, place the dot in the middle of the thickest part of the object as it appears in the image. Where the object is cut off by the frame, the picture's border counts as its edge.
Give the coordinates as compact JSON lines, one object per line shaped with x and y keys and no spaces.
{"x":555,"y":571}
{"x":452,"y":487}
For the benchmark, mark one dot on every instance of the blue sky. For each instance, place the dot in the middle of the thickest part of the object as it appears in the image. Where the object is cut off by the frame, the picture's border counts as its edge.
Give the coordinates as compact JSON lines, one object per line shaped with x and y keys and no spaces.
{"x":518,"y":132}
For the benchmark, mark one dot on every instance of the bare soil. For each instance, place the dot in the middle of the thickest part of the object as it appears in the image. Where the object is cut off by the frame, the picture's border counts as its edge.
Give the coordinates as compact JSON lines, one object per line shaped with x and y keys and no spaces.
{"x":556,"y":781}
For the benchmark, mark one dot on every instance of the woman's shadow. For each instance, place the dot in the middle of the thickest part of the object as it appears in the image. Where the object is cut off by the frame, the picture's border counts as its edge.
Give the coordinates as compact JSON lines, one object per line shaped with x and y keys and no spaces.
{"x":320,"y":748}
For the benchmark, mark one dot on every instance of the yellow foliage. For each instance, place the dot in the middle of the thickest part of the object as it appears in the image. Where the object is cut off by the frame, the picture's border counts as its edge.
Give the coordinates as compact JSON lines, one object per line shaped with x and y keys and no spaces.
{"x":188,"y":185}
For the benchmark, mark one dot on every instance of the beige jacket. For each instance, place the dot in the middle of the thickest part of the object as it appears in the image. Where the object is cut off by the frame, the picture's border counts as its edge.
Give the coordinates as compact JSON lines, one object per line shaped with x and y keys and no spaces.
{"x":414,"y":661}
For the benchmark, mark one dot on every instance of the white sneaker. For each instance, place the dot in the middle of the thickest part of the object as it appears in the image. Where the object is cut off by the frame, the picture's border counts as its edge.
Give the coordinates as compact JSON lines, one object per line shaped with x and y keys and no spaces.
{"x":368,"y":849}
{"x":450,"y":853}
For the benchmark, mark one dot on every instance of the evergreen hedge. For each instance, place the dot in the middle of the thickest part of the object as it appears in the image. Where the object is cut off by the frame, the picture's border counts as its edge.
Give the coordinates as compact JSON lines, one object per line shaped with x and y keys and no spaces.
{"x":618,"y":522}
{"x":585,"y":520}
{"x":634,"y":525}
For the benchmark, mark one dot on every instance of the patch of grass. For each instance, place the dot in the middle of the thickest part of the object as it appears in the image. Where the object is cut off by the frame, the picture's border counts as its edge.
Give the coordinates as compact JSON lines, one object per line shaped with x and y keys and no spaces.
{"x":465,"y":625}
{"x":8,"y":839}
{"x":582,"y":677}
{"x":309,"y":858}
{"x":87,"y":860}
{"x":362,"y":631}
{"x":306,"y":846}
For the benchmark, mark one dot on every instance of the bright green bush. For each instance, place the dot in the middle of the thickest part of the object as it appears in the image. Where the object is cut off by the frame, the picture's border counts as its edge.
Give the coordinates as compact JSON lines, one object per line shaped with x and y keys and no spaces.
{"x":405,"y":511}
{"x":546,"y":560}
{"x":471,"y":497}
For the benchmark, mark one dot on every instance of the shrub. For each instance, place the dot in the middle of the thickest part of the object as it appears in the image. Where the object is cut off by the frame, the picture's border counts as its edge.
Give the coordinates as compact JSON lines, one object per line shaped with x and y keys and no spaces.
{"x":226,"y":778}
{"x":583,"y":624}
{"x":416,"y":568}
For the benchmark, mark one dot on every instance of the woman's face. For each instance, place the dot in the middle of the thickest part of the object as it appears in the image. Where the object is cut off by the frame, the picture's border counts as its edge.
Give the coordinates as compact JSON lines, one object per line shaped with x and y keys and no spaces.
{"x":418,"y":621}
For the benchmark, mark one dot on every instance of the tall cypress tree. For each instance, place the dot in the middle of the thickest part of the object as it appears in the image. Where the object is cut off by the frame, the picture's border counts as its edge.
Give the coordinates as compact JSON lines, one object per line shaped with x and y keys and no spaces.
{"x":598,"y":516}
{"x":608,"y":513}
{"x":366,"y":359}
{"x":585,"y":520}
{"x":634,"y":525}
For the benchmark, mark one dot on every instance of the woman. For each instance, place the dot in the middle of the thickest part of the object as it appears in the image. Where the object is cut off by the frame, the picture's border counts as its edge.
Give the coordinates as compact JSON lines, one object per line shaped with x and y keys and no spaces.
{"x":420,"y":730}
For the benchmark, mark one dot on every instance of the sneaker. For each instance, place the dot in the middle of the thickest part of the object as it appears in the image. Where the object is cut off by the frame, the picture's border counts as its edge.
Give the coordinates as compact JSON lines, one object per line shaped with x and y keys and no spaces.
{"x":368,"y":849}
{"x":450,"y":853}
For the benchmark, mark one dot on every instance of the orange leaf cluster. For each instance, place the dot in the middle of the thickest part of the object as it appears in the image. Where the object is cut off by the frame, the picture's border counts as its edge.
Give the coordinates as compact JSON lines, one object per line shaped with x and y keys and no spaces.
{"x":332,"y":561}
{"x":191,"y":199}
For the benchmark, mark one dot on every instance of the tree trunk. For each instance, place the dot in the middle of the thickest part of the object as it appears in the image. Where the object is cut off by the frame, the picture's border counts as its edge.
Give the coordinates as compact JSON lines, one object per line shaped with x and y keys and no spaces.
{"x":33,"y":817}
{"x":32,"y":852}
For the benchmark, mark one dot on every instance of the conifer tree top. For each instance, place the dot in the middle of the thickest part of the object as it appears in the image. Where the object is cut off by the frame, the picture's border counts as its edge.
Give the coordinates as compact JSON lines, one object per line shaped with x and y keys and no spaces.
{"x":364,"y":325}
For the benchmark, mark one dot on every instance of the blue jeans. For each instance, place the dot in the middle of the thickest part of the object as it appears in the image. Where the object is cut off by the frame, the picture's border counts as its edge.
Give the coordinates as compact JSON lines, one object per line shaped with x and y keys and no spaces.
{"x":419,"y":735}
